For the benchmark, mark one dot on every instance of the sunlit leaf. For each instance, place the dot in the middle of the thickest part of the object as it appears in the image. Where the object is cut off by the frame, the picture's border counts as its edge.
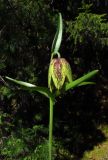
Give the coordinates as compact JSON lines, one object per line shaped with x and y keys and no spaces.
{"x":81,"y":80}
{"x":58,"y":36}
{"x":32,"y":88}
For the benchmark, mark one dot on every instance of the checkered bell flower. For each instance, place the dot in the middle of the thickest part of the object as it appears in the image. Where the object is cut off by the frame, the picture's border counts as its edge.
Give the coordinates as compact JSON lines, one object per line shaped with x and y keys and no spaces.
{"x":59,"y":73}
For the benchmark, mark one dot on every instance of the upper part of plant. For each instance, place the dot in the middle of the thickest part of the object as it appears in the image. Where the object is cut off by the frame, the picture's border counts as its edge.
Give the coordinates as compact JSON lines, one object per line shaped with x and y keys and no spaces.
{"x":59,"y":71}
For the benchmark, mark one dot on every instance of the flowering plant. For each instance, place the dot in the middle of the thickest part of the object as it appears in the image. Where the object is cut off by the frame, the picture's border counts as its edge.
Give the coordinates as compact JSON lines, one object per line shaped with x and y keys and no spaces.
{"x":59,"y":78}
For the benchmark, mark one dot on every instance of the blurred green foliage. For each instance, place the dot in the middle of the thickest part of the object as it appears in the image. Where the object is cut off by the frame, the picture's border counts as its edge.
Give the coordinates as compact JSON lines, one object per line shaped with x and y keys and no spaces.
{"x":88,"y":26}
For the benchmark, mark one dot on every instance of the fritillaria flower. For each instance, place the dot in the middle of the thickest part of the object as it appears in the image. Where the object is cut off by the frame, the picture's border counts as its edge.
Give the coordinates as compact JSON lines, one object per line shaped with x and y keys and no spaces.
{"x":59,"y":73}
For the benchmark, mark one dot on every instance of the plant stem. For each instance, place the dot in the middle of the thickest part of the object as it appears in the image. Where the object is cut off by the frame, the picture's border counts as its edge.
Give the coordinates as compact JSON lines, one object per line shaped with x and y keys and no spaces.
{"x":51,"y":128}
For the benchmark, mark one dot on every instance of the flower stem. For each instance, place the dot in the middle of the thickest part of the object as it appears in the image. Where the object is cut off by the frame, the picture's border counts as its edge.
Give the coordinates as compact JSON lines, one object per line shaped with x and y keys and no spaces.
{"x":51,"y":128}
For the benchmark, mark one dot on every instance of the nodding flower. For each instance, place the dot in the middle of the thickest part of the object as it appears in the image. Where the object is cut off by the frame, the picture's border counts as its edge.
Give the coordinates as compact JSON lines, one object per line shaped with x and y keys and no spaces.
{"x":59,"y":73}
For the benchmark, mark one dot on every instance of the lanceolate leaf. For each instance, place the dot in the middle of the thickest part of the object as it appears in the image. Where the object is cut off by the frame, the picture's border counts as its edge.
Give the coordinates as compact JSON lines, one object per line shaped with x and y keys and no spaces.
{"x":80,"y":80}
{"x":58,"y":36}
{"x":32,"y":88}
{"x":57,"y":93}
{"x":86,"y":83}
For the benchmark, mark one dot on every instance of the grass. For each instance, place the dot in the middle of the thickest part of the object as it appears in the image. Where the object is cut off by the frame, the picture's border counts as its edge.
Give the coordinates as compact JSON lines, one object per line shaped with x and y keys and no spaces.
{"x":99,"y":152}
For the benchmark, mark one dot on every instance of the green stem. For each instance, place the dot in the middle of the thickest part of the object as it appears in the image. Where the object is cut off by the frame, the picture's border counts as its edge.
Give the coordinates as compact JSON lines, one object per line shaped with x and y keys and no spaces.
{"x":55,"y":53}
{"x":51,"y":128}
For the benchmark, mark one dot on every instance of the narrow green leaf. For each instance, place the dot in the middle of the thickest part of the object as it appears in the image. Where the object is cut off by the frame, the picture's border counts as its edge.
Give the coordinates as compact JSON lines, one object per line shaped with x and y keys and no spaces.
{"x":58,"y":36}
{"x":86,"y":83}
{"x":24,"y":84}
{"x":57,"y":93}
{"x":80,"y":80}
{"x":32,"y":88}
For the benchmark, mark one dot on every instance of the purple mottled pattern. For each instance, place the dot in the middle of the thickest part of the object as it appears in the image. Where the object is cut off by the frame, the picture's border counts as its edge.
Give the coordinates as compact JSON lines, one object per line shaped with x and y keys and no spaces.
{"x":58,"y":68}
{"x":58,"y":64}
